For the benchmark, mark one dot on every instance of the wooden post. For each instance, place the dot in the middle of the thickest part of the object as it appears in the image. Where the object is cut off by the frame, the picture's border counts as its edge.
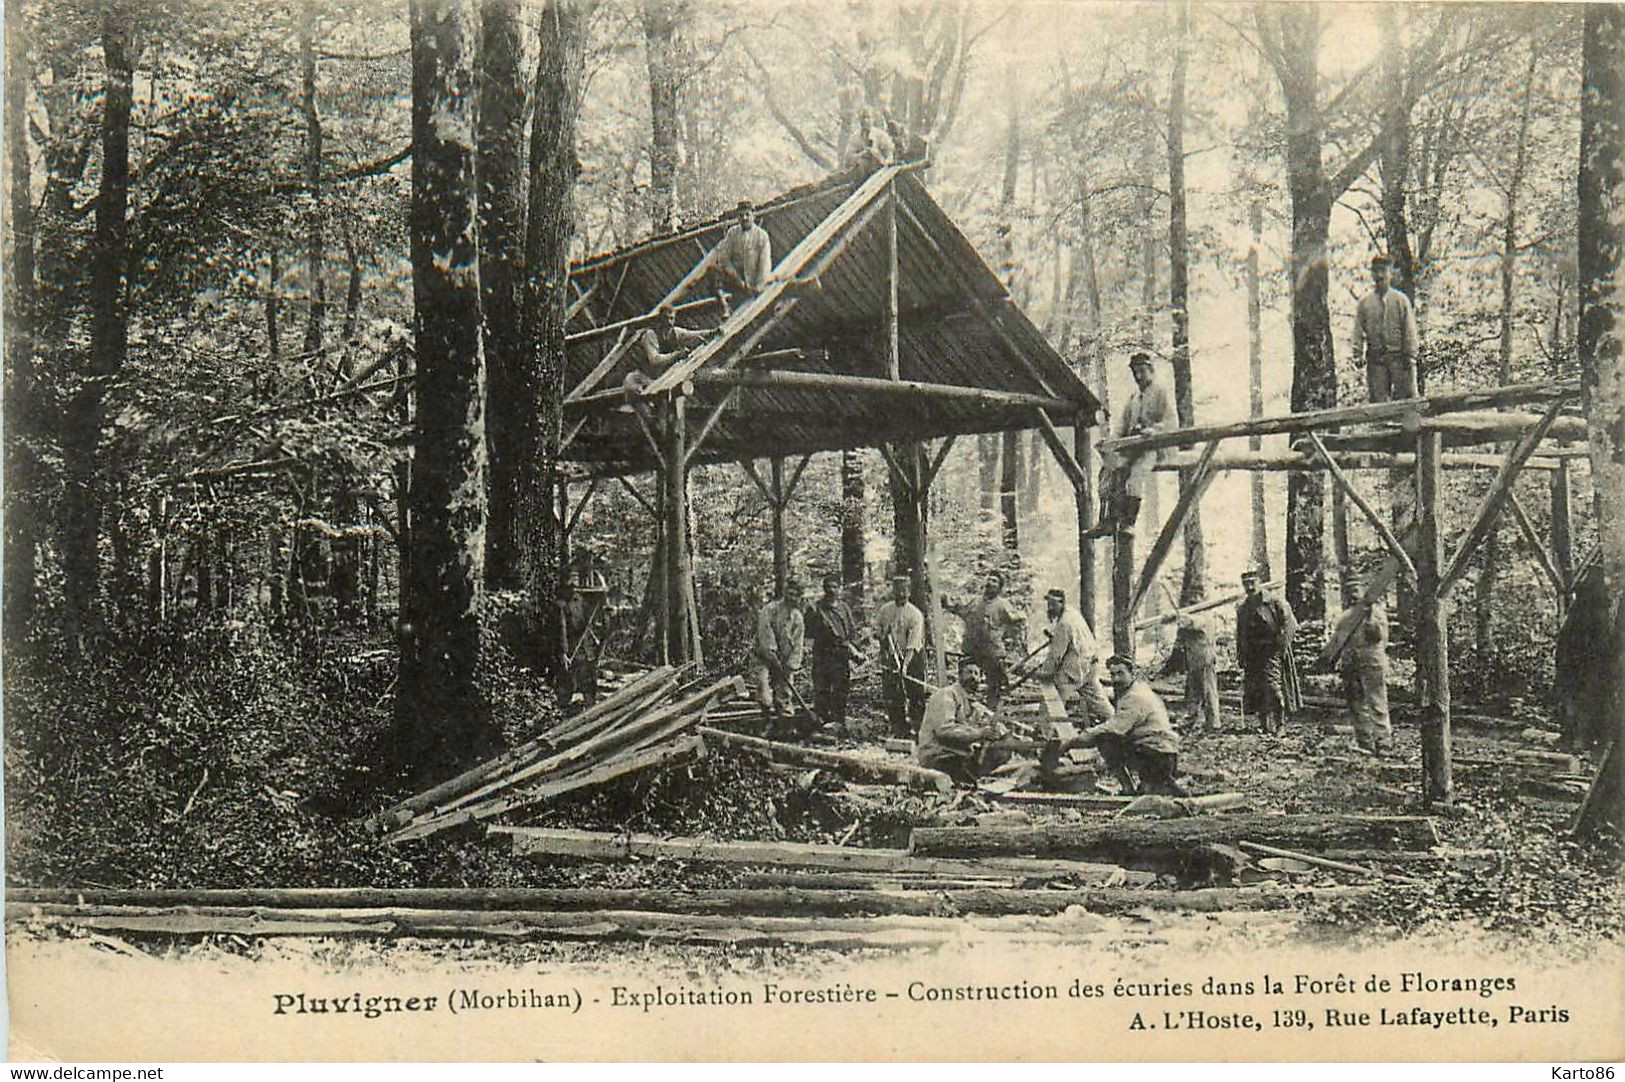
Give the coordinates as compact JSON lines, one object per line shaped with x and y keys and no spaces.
{"x":1083,"y":451}
{"x":1562,"y":527}
{"x":894,"y":361}
{"x":679,"y":630}
{"x":1123,"y":592}
{"x":1432,"y":638}
{"x":781,"y":553}
{"x":1340,"y":545}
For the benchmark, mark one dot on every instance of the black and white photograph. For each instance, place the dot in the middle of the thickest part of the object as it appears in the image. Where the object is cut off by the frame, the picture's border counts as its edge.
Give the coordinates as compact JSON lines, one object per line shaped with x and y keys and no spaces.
{"x":813,"y":530}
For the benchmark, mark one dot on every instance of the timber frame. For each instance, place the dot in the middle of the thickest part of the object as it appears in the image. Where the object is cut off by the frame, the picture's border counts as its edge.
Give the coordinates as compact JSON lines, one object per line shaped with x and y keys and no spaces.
{"x":1399,"y":437}
{"x":880,"y":326}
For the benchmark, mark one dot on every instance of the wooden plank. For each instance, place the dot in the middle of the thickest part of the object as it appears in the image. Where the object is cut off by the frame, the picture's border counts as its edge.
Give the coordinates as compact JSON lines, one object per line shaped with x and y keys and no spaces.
{"x":1069,"y":465}
{"x":1386,"y":461}
{"x":1054,"y":707}
{"x":708,"y":424}
{"x":850,"y":765}
{"x":1323,"y":862}
{"x":1493,"y":500}
{"x":1377,"y":522}
{"x":1189,"y":497}
{"x":1016,"y":402}
{"x":1532,"y":536}
{"x":1085,"y":503}
{"x":586,"y":845}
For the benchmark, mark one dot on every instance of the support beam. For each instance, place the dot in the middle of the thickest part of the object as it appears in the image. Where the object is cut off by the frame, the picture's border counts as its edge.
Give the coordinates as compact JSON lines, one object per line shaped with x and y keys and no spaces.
{"x":1542,"y":556}
{"x":795,"y":478}
{"x":1496,"y":497}
{"x":586,"y":498}
{"x":1377,"y":522}
{"x":1188,"y":499}
{"x":1069,"y":465}
{"x":1562,"y":526}
{"x":1016,"y":402}
{"x":634,"y":323}
{"x":571,"y":431}
{"x":1122,"y":592}
{"x":1336,"y":416}
{"x":781,"y":550}
{"x":681,"y":644}
{"x":894,"y":358}
{"x":761,"y":486}
{"x":710,"y":422}
{"x":1432,"y":638}
{"x":1289,"y":461}
{"x":1083,"y":495}
{"x":938,"y":459}
{"x":643,"y":501}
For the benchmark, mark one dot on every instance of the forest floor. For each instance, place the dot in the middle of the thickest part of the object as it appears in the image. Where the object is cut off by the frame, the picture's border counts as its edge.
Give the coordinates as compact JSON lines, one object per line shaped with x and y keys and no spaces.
{"x":274,"y":794}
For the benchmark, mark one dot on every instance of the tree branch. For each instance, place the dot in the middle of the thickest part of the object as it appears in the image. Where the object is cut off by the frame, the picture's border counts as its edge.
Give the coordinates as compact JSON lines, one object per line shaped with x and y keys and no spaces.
{"x":790,"y":126}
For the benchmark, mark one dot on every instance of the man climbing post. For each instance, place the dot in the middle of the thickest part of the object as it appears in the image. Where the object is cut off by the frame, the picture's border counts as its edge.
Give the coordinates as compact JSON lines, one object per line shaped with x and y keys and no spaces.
{"x":1385,"y":335}
{"x":744,"y":258}
{"x":1138,"y":743}
{"x":956,"y":728}
{"x":900,"y":627}
{"x":988,"y":623}
{"x":780,"y":637}
{"x":831,"y":627}
{"x":1070,"y":664}
{"x":1269,"y":675}
{"x":1124,"y":475}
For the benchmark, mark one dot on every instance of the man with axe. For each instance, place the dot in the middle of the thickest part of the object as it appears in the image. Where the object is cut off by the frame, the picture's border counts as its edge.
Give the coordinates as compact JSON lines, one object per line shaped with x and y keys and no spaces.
{"x":957,"y":734}
{"x":900,"y":627}
{"x":1070,"y":662}
{"x":988,"y":623}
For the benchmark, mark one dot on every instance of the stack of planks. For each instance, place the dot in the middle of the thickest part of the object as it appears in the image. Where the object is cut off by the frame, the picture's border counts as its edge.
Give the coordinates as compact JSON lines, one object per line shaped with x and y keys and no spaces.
{"x":648,"y":722}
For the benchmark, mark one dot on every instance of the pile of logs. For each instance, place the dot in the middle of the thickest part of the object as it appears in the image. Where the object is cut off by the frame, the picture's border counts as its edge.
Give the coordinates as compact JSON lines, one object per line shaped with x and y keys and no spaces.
{"x":648,"y":722}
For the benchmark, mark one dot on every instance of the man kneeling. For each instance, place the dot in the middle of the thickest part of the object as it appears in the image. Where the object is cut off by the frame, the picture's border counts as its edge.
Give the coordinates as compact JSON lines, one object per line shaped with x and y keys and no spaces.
{"x":1137,"y":742}
{"x":956,"y":728}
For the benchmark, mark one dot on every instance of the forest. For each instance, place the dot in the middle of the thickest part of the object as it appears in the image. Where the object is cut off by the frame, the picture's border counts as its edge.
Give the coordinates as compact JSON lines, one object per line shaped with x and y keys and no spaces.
{"x":290,"y":494}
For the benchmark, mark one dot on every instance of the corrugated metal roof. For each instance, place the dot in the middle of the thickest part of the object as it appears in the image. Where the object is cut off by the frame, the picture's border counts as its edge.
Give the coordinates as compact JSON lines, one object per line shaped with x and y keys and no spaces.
{"x":957,"y":327}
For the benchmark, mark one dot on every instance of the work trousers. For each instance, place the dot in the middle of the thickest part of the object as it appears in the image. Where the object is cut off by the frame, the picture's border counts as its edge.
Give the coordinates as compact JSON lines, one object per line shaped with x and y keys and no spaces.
{"x":1201,"y":685}
{"x":1088,"y":692}
{"x":965,"y":767}
{"x":1389,"y":376}
{"x":905,"y":699}
{"x":1141,"y":770}
{"x":831,"y":680}
{"x":1365,"y":687}
{"x":772,"y":693}
{"x":993,"y":678}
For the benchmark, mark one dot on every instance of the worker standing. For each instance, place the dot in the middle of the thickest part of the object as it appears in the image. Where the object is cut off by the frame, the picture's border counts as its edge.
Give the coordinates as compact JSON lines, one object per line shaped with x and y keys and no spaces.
{"x":900,"y":627}
{"x":989,"y":620}
{"x":1196,"y":639}
{"x":1071,"y":663}
{"x":831,"y":627}
{"x":1385,"y":336}
{"x":1269,"y":675}
{"x":780,"y":639}
{"x":1364,"y":667}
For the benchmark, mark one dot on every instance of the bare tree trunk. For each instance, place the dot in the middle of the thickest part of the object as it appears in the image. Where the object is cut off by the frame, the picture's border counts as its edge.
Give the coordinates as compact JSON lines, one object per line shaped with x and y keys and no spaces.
{"x":660,"y":19}
{"x":1396,"y":151}
{"x":502,"y":256}
{"x":1255,"y":385}
{"x":315,"y":235}
{"x":1194,"y":585}
{"x":21,"y":410}
{"x":1602,"y":323}
{"x":1010,"y":457}
{"x":438,"y":699}
{"x":549,"y":227}
{"x":109,"y":334}
{"x":273,"y":320}
{"x":352,"y":293}
{"x":853,"y":541}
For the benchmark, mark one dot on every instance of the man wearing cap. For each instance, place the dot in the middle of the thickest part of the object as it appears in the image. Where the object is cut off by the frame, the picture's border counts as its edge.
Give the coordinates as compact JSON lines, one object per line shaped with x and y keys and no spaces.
{"x":1364,"y":668}
{"x":831,"y":626}
{"x":1385,"y":335}
{"x":1269,"y":675}
{"x":780,"y":633}
{"x":954,"y":729}
{"x":988,"y":623}
{"x":900,"y":627}
{"x":1071,"y":663}
{"x":745,"y":256}
{"x":1138,"y":743}
{"x":1124,"y":476}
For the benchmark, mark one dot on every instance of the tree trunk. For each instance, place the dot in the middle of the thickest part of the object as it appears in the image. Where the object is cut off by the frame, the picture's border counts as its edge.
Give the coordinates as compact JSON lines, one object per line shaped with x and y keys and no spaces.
{"x":1255,"y":386}
{"x":315,"y":238}
{"x":502,"y":254}
{"x":987,"y":472}
{"x":21,"y":411}
{"x":352,"y":293}
{"x":1396,"y":151}
{"x":660,"y":40}
{"x":1194,"y":585}
{"x":853,"y":503}
{"x":438,"y":698}
{"x":1009,"y":490}
{"x":1602,"y":324}
{"x":549,"y":227}
{"x":109,"y":336}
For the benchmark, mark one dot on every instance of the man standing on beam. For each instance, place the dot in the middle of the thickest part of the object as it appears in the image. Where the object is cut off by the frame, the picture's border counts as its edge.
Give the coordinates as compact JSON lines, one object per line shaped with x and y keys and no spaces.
{"x":1123,"y":476}
{"x":1385,"y":335}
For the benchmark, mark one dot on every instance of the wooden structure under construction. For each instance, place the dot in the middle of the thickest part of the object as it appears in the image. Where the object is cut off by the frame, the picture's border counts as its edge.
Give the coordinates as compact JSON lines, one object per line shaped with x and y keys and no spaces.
{"x":880,"y":326}
{"x":1405,"y":438}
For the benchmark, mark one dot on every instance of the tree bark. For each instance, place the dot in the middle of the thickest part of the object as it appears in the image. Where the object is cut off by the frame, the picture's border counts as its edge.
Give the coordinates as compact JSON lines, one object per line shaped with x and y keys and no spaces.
{"x":21,"y":410}
{"x":549,"y":227}
{"x":437,"y":698}
{"x":1396,"y":152}
{"x":315,"y":235}
{"x":853,"y":507}
{"x":1601,"y":341}
{"x":1116,"y":840}
{"x":109,"y":336}
{"x":660,"y":42}
{"x":502,"y":256}
{"x":1255,"y":386}
{"x":1194,"y":583}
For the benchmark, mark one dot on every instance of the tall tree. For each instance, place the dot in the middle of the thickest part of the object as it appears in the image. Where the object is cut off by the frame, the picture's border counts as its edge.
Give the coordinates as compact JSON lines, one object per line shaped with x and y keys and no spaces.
{"x":660,"y":22}
{"x":1395,"y":155}
{"x":21,"y":411}
{"x":502,"y":267}
{"x":1601,"y":343}
{"x":1010,"y":455}
{"x":437,"y":696}
{"x":1255,"y":381}
{"x":549,"y":226}
{"x":109,"y":334}
{"x":1194,"y":584}
{"x":315,"y":225}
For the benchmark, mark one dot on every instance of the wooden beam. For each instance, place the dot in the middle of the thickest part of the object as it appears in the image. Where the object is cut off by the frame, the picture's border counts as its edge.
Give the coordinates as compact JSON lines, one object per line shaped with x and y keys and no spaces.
{"x":1531,"y":535}
{"x":856,"y":766}
{"x":1308,"y":461}
{"x":1201,"y":476}
{"x":643,"y":500}
{"x":1069,"y":465}
{"x":586,"y":497}
{"x":795,"y":478}
{"x":1084,"y":499}
{"x":1496,"y":497}
{"x":632,"y":323}
{"x":1337,"y":416}
{"x":571,"y":431}
{"x":1205,"y":606}
{"x":870,"y":386}
{"x":1562,"y":527}
{"x":762,"y":486}
{"x":650,"y":436}
{"x":679,"y":629}
{"x":781,"y":550}
{"x":898,"y":474}
{"x":1432,"y":638}
{"x":1377,"y":522}
{"x":582,"y":298}
{"x":709,"y":423}
{"x":938,"y":459}
{"x":602,"y":369}
{"x":894,"y":358}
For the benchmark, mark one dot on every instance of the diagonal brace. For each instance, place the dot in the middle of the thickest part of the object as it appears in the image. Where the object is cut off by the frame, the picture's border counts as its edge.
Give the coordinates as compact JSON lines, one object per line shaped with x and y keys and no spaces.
{"x":1201,"y":474}
{"x":1384,"y":531}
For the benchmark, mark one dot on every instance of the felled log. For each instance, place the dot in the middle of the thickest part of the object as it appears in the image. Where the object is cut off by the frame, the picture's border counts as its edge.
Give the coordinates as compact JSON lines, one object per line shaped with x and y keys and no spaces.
{"x":1322,"y":862}
{"x":846,"y":765}
{"x":589,"y":845}
{"x":1167,"y":844}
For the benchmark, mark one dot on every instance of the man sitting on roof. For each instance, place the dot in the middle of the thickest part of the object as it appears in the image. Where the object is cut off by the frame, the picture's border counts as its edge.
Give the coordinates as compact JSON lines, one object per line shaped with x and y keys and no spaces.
{"x":744,"y":258}
{"x":872,"y":146}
